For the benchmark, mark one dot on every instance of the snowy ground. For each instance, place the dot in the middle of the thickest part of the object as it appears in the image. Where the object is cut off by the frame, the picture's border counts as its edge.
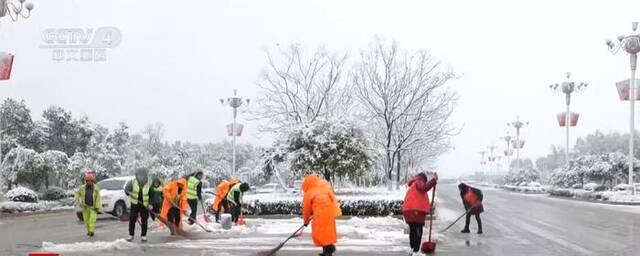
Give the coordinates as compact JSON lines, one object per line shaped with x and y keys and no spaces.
{"x":356,"y":235}
{"x":515,"y":224}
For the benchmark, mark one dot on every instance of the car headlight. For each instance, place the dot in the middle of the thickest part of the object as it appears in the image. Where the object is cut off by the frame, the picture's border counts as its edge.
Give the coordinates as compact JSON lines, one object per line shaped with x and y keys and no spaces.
{"x":107,"y":197}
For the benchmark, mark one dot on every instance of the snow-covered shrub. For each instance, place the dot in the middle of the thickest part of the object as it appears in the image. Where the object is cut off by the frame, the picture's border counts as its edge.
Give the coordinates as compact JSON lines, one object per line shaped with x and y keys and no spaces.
{"x":21,"y":194}
{"x":561,"y":192}
{"x":594,"y":187}
{"x":16,"y":207}
{"x":53,"y":193}
{"x":349,"y":207}
{"x":40,"y":206}
{"x":329,"y":148}
{"x":622,"y":187}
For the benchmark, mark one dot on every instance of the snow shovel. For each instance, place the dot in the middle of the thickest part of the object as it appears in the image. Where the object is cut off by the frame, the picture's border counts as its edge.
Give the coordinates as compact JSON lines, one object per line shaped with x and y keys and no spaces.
{"x":241,"y":220}
{"x":274,"y":250}
{"x":206,"y":217}
{"x":430,"y":246}
{"x":170,"y":225}
{"x":194,"y":220}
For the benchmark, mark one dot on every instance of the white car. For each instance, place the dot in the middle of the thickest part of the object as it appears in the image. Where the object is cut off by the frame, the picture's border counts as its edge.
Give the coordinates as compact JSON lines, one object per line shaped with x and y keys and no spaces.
{"x":270,"y":188}
{"x":112,"y":197}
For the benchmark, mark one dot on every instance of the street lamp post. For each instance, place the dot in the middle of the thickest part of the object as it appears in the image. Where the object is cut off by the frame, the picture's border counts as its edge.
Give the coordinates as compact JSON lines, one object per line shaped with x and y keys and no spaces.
{"x":568,"y":87}
{"x":518,"y":144}
{"x":492,"y":157}
{"x":234,"y":102}
{"x":15,"y":12}
{"x":508,"y":151}
{"x":483,"y":163}
{"x":631,"y":45}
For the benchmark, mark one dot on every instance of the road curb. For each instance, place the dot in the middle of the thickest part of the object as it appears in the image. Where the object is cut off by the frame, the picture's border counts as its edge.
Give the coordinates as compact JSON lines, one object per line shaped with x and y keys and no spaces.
{"x":596,"y":201}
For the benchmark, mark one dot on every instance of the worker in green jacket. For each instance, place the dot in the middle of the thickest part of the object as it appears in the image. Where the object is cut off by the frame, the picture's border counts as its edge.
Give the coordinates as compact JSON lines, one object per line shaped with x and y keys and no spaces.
{"x":194,"y":193}
{"x":88,"y":196}
{"x":234,"y":199}
{"x":155,"y":196}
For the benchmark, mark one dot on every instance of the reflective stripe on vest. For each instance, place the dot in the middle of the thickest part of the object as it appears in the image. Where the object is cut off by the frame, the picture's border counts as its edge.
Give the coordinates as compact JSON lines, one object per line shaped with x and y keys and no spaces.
{"x":192,"y":187}
{"x":235,"y":188}
{"x":133,"y":197}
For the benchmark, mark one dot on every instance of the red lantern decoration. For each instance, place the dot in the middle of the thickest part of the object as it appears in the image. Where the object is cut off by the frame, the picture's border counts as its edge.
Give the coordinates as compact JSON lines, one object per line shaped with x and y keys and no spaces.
{"x":517,"y":144}
{"x":239,"y":128}
{"x":6,"y":63}
{"x":573,"y":119}
{"x":623,"y":89}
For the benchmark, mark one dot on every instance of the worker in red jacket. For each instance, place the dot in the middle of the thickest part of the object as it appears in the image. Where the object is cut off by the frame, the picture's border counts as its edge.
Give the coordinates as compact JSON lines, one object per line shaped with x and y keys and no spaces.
{"x":416,"y":207}
{"x":472,"y":201}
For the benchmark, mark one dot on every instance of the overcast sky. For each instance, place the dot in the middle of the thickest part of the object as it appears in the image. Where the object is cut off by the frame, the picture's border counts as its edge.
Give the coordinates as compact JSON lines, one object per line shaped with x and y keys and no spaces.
{"x":176,"y":59}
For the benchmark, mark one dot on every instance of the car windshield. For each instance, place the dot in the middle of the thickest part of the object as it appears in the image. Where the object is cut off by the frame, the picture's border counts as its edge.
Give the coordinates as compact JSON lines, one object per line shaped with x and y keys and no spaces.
{"x":111,"y":184}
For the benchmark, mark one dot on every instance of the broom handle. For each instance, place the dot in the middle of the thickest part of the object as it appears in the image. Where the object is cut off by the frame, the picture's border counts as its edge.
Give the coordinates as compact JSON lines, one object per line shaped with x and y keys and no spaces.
{"x":433,"y":199}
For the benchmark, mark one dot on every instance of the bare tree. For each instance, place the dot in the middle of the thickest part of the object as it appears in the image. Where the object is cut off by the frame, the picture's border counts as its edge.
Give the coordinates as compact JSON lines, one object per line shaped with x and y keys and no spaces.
{"x":406,"y":98}
{"x":299,"y":89}
{"x":154,"y":135}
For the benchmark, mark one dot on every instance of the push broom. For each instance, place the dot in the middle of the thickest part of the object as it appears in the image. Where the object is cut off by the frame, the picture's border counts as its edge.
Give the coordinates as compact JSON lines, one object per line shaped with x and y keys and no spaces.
{"x":277,"y":248}
{"x":430,"y":246}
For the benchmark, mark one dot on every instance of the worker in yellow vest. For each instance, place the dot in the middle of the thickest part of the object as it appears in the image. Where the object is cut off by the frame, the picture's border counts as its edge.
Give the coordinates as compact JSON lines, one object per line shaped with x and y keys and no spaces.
{"x":194,"y":193}
{"x":138,"y":191}
{"x":234,"y":198}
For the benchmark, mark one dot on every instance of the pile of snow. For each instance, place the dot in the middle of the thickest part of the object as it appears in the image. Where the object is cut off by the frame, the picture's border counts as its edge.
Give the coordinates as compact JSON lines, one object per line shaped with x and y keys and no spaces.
{"x":607,"y":196}
{"x":40,"y":206}
{"x":119,"y":244}
{"x":525,"y":188}
{"x":21,"y":194}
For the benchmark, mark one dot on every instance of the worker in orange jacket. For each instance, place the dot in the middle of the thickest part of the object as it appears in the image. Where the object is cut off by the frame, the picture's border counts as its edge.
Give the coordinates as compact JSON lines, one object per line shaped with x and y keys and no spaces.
{"x":175,"y":194}
{"x":219,"y":202}
{"x":321,"y":207}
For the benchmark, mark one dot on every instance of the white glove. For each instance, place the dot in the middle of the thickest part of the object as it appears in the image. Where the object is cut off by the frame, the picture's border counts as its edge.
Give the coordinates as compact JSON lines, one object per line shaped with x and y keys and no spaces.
{"x":187,"y":212}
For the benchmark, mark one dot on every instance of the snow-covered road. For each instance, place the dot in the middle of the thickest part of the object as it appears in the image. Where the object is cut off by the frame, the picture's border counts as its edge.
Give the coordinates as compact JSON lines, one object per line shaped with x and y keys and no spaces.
{"x":515,"y":224}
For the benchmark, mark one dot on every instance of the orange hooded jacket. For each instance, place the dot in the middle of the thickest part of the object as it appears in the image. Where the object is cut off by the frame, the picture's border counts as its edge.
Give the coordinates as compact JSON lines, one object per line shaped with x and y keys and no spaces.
{"x":170,"y":194}
{"x":221,"y":191}
{"x":319,"y":202}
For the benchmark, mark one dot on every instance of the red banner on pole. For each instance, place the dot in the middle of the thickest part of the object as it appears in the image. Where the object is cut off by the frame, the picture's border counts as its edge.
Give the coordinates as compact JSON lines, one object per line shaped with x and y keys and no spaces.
{"x":6,"y":63}
{"x":573,"y":119}
{"x":623,"y":89}
{"x":508,"y":152}
{"x":239,"y":128}
{"x":517,"y":144}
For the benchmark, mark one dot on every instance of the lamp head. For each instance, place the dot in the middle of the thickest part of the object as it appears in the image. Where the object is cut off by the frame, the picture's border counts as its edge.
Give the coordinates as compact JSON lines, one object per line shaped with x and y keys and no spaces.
{"x":609,"y":44}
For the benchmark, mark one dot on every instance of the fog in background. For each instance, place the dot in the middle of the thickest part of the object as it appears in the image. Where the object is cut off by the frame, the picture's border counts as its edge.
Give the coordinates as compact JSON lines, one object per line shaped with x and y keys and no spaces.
{"x":176,"y":60}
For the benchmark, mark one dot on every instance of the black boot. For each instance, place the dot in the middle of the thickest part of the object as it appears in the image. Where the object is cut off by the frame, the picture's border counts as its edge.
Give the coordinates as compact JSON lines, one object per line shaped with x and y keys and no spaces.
{"x":328,"y":250}
{"x":465,"y":230}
